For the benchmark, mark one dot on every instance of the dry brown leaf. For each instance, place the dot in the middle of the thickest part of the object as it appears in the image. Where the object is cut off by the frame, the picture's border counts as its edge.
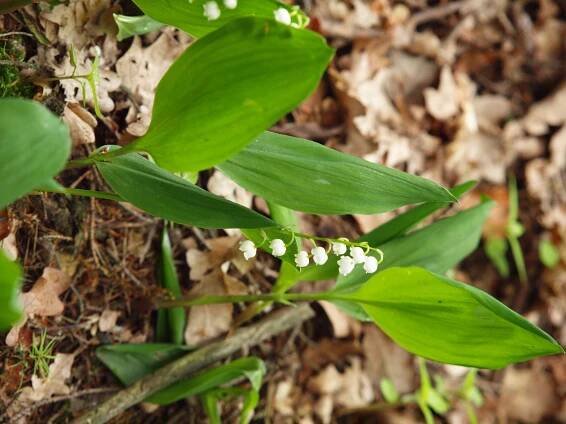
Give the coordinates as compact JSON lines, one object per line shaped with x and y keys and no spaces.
{"x":140,"y":69}
{"x":8,"y":245}
{"x":222,"y":249}
{"x":44,"y":388}
{"x":527,"y":395}
{"x":385,"y":359}
{"x":107,"y":321}
{"x":342,"y":324}
{"x":209,"y":321}
{"x":223,"y":186}
{"x":82,"y":132}
{"x":42,"y":299}
{"x":442,"y":103}
{"x":282,"y":400}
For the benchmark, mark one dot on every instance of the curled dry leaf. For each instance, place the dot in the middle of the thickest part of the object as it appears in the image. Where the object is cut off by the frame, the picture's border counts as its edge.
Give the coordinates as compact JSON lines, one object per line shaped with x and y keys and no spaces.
{"x":209,"y":321}
{"x":81,"y":124}
{"x":442,"y":103}
{"x":42,"y":299}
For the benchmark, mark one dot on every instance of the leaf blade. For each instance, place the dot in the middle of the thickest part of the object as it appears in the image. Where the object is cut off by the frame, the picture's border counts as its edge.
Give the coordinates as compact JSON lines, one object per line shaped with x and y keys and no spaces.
{"x":305,"y":176}
{"x":448,"y":321}
{"x":30,"y":155}
{"x":240,"y":84}
{"x":163,"y":194}
{"x":10,"y":306}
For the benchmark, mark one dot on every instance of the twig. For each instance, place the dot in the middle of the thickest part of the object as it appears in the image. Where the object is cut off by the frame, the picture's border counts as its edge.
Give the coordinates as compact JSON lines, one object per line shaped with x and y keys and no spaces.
{"x":275,"y":323}
{"x":17,"y":64}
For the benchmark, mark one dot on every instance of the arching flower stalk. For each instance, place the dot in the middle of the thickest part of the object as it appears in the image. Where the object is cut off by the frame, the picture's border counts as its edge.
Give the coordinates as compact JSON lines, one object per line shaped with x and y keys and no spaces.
{"x":360,"y":253}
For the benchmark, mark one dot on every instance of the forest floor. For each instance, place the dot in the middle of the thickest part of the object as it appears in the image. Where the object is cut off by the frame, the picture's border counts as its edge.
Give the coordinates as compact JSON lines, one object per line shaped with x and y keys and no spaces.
{"x":450,"y":90}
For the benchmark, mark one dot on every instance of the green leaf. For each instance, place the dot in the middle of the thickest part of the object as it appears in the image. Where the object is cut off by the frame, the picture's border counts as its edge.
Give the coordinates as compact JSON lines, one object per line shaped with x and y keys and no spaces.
{"x":168,"y":196}
{"x":447,"y":321}
{"x":306,"y":176}
{"x":388,"y":390}
{"x":228,"y":87}
{"x":130,"y":362}
{"x":176,"y":317}
{"x":128,"y":26}
{"x":10,"y":305}
{"x":30,"y":155}
{"x":189,"y":15}
{"x":251,"y":368}
{"x":548,"y":253}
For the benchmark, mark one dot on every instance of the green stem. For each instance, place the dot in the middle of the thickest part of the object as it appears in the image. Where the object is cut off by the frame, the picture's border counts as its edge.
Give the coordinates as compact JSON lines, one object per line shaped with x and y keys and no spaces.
{"x":87,"y":193}
{"x":269,"y":297}
{"x":80,"y":163}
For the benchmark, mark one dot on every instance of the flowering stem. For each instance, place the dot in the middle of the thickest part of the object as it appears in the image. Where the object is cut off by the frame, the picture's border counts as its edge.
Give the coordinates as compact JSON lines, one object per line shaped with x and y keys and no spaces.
{"x":269,"y":297}
{"x":87,"y":193}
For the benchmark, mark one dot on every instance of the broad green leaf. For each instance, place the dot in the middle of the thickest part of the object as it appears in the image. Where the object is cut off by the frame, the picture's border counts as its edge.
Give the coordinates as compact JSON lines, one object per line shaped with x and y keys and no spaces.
{"x":34,"y":146}
{"x":447,"y":321}
{"x":130,"y":362}
{"x":306,"y":176}
{"x":228,"y":87}
{"x":251,"y":368}
{"x":168,"y":196}
{"x":128,"y":26}
{"x":10,"y":305}
{"x":189,"y":15}
{"x":176,"y":317}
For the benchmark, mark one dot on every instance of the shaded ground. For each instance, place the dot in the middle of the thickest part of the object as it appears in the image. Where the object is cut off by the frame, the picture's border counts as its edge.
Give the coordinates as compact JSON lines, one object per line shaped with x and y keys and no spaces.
{"x":449,"y":90}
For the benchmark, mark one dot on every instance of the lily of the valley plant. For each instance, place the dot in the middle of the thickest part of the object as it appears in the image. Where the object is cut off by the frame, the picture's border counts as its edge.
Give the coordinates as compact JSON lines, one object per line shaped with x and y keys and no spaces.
{"x":254,"y":61}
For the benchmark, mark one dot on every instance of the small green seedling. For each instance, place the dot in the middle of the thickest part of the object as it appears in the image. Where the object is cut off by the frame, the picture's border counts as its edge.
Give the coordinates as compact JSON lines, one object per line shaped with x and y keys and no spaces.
{"x":41,"y":353}
{"x":548,"y":253}
{"x":496,"y":248}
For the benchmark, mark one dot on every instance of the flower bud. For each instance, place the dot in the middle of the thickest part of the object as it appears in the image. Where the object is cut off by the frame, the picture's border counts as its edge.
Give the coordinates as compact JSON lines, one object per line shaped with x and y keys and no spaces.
{"x":358,"y":254}
{"x":302,"y":259}
{"x":211,"y":10}
{"x":345,"y":265}
{"x":370,"y":265}
{"x":248,"y":248}
{"x":319,"y":255}
{"x":278,"y":247}
{"x":339,"y":248}
{"x":283,"y":16}
{"x":231,"y":4}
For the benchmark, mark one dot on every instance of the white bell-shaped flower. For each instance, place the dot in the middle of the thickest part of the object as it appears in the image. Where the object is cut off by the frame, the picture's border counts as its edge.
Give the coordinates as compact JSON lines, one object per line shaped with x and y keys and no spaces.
{"x":211,"y":10}
{"x":247,"y":247}
{"x":370,"y":264}
{"x":278,"y":247}
{"x":231,"y":4}
{"x":282,"y":15}
{"x":339,"y":248}
{"x":302,"y":259}
{"x":319,"y":255}
{"x":358,"y":254}
{"x":346,"y":265}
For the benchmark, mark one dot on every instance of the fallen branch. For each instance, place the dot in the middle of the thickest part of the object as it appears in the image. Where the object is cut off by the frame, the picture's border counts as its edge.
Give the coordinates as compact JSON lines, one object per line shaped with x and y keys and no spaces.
{"x":273,"y":324}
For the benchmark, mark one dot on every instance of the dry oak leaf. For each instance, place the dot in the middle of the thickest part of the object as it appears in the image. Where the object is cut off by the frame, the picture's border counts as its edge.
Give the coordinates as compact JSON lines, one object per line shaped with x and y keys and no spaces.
{"x":209,"y":321}
{"x":42,"y":299}
{"x":222,"y":249}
